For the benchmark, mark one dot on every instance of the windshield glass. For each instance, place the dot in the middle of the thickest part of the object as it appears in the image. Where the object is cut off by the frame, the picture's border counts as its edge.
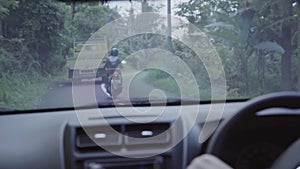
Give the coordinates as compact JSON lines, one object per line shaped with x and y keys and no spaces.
{"x":57,"y":54}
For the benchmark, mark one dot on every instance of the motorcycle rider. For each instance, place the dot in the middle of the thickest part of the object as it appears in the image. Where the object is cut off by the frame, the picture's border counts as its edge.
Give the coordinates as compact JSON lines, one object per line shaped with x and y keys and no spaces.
{"x":113,"y":62}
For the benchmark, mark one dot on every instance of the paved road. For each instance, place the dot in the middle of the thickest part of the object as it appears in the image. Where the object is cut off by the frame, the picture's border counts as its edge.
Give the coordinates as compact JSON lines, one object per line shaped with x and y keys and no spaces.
{"x":62,"y":95}
{"x":66,"y":94}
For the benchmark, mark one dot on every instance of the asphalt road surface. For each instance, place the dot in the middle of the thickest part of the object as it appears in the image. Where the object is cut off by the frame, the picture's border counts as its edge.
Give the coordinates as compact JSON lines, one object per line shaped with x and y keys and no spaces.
{"x":68,"y":94}
{"x":63,"y":95}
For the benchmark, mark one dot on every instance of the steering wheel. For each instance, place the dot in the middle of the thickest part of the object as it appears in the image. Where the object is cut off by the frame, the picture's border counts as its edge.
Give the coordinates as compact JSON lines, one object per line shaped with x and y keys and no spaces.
{"x":290,"y":159}
{"x":289,"y":100}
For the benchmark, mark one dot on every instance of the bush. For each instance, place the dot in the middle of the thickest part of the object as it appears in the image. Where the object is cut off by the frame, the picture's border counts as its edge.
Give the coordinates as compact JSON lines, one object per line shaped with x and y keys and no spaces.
{"x":162,"y":80}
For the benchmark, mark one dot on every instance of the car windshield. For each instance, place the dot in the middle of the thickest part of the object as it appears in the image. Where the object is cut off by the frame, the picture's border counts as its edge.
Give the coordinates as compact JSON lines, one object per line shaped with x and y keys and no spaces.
{"x":61,"y":54}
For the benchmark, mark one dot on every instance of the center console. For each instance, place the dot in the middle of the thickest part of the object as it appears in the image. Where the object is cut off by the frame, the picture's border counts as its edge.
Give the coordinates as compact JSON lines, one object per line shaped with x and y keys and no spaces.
{"x":119,"y":145}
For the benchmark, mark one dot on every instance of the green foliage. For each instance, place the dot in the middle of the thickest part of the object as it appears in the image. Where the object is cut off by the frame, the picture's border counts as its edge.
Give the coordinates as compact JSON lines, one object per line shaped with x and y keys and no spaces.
{"x":89,"y":18}
{"x":270,"y":47}
{"x":199,"y":12}
{"x":6,"y":6}
{"x":256,"y":40}
{"x":39,"y":30}
{"x":35,"y":38}
{"x":162,"y":80}
{"x":249,"y":35}
{"x":23,"y":90}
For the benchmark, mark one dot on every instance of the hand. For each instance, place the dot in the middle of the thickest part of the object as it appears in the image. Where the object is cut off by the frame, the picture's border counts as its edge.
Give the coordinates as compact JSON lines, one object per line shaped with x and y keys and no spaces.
{"x":207,"y":161}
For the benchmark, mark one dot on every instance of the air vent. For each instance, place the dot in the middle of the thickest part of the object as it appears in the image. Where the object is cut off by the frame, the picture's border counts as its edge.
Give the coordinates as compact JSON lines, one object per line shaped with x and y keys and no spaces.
{"x":133,"y":134}
{"x":137,"y":140}
{"x":142,"y":134}
{"x":101,"y":135}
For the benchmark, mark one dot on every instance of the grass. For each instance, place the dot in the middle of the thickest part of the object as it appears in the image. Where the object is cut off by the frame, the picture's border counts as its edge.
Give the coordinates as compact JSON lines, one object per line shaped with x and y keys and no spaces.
{"x":23,"y":90}
{"x":165,"y":82}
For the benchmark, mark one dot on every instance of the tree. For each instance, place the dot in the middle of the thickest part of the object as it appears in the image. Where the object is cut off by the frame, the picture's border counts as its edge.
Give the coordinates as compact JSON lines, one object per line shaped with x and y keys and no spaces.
{"x":253,"y":29}
{"x":91,"y":17}
{"x":297,"y":35}
{"x":6,"y":6}
{"x":213,"y":18}
{"x":39,"y":30}
{"x":276,"y":23}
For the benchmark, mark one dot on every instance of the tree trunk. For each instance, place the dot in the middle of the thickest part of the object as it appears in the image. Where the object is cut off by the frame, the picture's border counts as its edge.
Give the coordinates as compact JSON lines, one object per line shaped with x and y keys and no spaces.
{"x":245,"y":75}
{"x":244,"y":71}
{"x":286,"y":57}
{"x":286,"y":68}
{"x":261,"y":65}
{"x":298,"y":45}
{"x":73,"y":12}
{"x":3,"y":29}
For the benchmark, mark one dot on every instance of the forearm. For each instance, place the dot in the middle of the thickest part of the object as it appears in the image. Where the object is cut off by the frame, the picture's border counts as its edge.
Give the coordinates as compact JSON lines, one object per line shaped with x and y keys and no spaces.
{"x":208,"y":162}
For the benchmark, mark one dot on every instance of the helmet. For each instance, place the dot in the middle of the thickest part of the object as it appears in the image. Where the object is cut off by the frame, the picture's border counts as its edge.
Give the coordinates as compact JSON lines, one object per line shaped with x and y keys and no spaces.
{"x":114,"y":52}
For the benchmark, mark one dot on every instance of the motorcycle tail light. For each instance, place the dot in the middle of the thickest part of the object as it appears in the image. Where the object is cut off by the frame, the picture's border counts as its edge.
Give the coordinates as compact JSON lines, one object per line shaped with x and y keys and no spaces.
{"x":116,"y":74}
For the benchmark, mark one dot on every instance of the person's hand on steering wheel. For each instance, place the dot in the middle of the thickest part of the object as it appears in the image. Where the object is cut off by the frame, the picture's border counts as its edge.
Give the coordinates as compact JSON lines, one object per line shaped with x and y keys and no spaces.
{"x":290,"y":159}
{"x":207,"y":161}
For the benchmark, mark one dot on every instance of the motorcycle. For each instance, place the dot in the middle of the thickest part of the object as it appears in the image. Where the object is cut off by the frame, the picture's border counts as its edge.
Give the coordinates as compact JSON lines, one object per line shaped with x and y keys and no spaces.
{"x":114,"y":86}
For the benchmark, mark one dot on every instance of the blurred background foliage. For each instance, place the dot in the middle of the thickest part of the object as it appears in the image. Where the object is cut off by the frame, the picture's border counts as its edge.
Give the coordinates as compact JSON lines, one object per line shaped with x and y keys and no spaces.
{"x":257,"y":40}
{"x":35,"y":38}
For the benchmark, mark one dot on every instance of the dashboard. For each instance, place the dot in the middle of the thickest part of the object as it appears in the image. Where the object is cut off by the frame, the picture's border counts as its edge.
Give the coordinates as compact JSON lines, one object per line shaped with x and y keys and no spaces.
{"x":58,"y":139}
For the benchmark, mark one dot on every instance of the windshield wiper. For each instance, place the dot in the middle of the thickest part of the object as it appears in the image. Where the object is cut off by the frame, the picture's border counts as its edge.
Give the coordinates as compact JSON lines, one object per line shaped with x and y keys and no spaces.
{"x":5,"y":109}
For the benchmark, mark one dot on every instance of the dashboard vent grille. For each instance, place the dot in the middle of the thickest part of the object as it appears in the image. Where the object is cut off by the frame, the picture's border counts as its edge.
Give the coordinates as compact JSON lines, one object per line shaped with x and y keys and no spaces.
{"x":100,"y":135}
{"x":142,"y":134}
{"x":127,"y":135}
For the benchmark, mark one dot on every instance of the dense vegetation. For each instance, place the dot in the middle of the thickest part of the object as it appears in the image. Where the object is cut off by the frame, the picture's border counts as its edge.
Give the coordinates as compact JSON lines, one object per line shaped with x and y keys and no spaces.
{"x":35,"y":37}
{"x":257,"y":40}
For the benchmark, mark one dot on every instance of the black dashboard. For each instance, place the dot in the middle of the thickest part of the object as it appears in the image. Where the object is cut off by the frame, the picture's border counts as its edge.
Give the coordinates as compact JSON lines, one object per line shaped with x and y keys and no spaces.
{"x":59,"y":140}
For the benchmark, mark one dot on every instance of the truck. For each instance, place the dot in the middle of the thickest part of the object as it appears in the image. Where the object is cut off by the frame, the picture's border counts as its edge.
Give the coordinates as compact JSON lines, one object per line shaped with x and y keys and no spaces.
{"x":88,"y":60}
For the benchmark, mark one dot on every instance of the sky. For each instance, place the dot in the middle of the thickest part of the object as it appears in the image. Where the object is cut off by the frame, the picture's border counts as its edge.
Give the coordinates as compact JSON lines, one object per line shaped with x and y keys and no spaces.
{"x":124,"y":6}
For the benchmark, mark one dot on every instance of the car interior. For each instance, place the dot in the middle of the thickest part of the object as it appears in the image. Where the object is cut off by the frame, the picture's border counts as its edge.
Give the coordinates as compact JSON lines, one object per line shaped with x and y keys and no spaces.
{"x":77,"y":124}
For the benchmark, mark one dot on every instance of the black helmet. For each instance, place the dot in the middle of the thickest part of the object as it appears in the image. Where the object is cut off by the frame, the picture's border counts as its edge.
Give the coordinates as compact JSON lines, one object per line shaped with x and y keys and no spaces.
{"x":114,"y":52}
